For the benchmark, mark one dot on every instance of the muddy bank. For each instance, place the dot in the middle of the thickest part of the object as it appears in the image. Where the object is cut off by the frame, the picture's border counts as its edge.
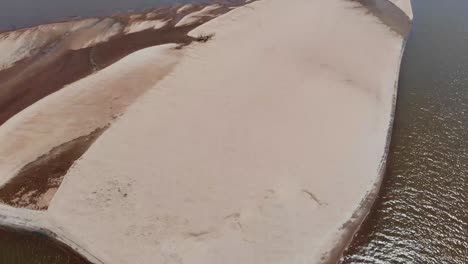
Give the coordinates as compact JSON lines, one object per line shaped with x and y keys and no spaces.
{"x":36,"y":183}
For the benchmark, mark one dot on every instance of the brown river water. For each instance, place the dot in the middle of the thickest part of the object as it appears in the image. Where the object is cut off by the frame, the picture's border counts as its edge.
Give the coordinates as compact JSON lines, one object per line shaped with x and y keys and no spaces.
{"x":421,"y":215}
{"x":22,"y":247}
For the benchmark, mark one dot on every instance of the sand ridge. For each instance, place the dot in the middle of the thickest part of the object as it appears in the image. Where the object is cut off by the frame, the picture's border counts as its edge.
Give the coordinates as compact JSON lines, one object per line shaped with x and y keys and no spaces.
{"x":257,"y":147}
{"x":86,"y":79}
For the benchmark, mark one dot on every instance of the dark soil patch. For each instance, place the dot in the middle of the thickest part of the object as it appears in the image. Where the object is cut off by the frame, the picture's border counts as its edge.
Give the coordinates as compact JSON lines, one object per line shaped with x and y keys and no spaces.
{"x":34,"y":180}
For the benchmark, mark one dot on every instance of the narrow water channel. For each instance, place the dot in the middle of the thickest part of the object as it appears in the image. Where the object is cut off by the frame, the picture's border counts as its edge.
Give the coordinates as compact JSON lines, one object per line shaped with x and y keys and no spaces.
{"x":421,"y":215}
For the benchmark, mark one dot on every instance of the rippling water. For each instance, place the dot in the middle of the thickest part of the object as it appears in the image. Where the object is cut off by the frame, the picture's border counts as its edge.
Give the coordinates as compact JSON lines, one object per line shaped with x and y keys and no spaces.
{"x":421,"y":215}
{"x":32,"y":248}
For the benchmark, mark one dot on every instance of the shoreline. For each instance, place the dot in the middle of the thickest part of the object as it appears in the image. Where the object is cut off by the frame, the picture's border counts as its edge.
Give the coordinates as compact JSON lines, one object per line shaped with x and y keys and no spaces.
{"x":25,"y":220}
{"x":362,"y":212}
{"x":60,"y":212}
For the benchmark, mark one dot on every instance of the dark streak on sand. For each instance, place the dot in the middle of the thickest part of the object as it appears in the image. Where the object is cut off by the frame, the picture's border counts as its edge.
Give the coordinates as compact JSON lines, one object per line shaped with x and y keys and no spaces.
{"x":313,"y":197}
{"x":49,"y":69}
{"x":33,"y":181}
{"x":34,"y":78}
{"x":389,"y":14}
{"x":54,"y":66}
{"x":400,"y":23}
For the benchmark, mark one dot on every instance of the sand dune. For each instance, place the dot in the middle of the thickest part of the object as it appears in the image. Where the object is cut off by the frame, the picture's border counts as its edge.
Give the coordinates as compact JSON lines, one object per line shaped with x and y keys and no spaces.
{"x":263,"y":145}
{"x":81,"y":107}
{"x":258,"y":148}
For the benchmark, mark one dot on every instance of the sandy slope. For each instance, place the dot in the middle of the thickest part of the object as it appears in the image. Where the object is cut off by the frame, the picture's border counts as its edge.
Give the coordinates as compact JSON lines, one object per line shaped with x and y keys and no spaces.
{"x":81,"y":107}
{"x":404,"y":5}
{"x":23,"y":43}
{"x":257,"y":148}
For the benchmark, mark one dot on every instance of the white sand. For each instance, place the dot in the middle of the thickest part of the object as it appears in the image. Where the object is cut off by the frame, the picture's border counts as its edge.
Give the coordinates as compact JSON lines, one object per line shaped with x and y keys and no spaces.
{"x":80,"y":34}
{"x":404,"y":5}
{"x":195,"y":16}
{"x":18,"y":45}
{"x":24,"y":43}
{"x":92,"y":35}
{"x":100,"y":32}
{"x":257,"y":148}
{"x":183,"y":8}
{"x":81,"y":107}
{"x":138,"y":26}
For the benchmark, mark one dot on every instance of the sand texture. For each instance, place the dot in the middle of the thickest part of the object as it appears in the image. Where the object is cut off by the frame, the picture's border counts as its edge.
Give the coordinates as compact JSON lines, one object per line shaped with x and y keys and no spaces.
{"x":258,"y":146}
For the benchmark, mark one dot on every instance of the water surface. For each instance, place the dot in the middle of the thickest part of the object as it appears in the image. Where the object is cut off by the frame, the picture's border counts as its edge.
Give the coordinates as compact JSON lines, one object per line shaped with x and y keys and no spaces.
{"x":421,"y":215}
{"x":16,"y":14}
{"x":21,"y":247}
